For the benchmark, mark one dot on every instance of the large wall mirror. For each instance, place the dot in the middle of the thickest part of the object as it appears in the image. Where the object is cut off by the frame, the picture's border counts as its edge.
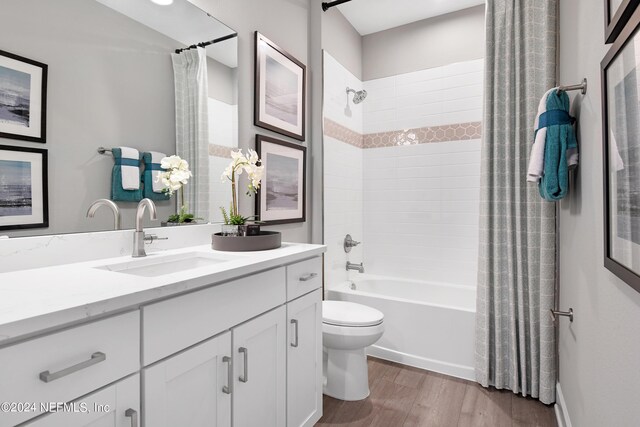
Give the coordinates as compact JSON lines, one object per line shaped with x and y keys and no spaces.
{"x":111,"y":83}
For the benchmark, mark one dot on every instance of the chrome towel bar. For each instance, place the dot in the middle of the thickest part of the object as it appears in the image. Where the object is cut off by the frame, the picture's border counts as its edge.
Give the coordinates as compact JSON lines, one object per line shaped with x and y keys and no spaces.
{"x":555,"y":313}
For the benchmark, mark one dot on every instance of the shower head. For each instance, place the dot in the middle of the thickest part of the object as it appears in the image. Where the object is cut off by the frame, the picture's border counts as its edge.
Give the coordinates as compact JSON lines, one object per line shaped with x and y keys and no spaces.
{"x":358,"y":96}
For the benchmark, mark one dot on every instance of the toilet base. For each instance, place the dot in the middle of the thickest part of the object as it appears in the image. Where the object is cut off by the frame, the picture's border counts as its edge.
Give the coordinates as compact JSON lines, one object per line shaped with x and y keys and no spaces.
{"x":347,"y":374}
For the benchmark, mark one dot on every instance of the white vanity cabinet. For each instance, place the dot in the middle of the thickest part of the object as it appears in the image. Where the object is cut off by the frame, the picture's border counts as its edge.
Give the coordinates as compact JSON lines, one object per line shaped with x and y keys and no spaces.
{"x":117,"y":405}
{"x":191,"y":388}
{"x":304,"y":360}
{"x":260,"y":363}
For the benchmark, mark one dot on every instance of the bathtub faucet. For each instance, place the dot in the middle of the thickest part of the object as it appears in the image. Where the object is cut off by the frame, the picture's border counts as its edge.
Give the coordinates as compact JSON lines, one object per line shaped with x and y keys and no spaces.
{"x":352,"y":266}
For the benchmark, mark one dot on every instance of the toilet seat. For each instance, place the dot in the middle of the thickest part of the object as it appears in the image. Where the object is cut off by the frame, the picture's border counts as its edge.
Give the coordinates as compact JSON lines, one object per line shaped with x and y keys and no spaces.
{"x":350,"y":314}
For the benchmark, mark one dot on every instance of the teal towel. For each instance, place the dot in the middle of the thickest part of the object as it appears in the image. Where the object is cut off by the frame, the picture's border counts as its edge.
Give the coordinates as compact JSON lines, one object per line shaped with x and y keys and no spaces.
{"x":149,"y":167}
{"x":554,"y":183}
{"x":118,"y":194}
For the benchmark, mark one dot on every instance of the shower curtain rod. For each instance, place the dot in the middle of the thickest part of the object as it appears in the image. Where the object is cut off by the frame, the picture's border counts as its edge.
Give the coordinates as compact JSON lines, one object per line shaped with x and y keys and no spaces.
{"x":210,"y":42}
{"x":328,"y":5}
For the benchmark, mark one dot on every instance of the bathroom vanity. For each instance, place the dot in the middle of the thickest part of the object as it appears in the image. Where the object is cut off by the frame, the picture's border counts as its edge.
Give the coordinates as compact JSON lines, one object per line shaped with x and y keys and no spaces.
{"x":183,"y":337}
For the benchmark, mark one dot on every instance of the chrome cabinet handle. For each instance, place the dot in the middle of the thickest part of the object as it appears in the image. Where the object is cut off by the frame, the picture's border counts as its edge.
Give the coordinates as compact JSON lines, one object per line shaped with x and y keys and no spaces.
{"x":245,"y":376}
{"x":307,"y":277}
{"x":227,"y":388}
{"x":97,"y":357}
{"x":133,"y":414}
{"x":294,"y":322}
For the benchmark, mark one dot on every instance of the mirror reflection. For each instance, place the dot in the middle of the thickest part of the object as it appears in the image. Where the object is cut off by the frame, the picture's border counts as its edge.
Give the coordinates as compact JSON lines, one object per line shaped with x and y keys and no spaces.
{"x":115,"y":80}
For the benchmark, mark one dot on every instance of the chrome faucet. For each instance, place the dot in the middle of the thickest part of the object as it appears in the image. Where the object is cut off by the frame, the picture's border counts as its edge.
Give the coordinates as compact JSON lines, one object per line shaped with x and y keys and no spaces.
{"x":138,"y":235}
{"x":358,"y":267}
{"x":349,"y":243}
{"x":110,"y":204}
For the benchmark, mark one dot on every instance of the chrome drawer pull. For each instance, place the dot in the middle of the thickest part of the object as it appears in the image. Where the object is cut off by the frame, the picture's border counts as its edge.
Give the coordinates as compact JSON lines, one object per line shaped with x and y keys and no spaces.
{"x":133,"y":414}
{"x":227,"y":388}
{"x":307,"y":277}
{"x":245,"y":376}
{"x":97,"y":357}
{"x":294,"y":322}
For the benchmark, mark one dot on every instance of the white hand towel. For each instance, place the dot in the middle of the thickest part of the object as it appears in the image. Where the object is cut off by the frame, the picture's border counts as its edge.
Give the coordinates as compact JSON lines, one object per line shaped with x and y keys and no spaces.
{"x":130,"y":174}
{"x":157,"y":157}
{"x":536,"y":160}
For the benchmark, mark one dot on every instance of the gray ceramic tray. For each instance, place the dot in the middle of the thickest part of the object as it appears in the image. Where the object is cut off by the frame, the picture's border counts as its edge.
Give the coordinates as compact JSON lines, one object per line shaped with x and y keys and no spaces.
{"x":265,"y":241}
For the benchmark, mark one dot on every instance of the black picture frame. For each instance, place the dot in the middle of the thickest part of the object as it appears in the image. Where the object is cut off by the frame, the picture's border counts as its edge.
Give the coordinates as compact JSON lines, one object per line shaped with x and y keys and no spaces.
{"x":41,"y":218}
{"x":629,"y":276}
{"x":264,"y":146}
{"x":263,"y":48}
{"x":615,"y":21}
{"x":39,"y":71}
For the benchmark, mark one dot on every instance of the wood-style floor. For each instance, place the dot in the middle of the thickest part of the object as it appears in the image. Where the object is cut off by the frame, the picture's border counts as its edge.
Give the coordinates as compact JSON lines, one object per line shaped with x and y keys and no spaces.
{"x":404,"y":396}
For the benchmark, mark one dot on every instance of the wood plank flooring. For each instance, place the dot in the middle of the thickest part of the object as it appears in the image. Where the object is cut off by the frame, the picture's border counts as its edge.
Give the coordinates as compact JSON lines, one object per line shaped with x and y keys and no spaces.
{"x":403,"y":396}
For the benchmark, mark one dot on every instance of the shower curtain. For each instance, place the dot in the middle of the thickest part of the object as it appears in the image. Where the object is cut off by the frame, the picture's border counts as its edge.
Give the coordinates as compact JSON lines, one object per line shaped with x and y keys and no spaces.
{"x":515,"y":339}
{"x":192,"y":126}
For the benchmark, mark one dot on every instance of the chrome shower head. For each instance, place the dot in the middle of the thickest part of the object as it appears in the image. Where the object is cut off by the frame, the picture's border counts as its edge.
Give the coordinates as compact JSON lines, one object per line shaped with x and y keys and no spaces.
{"x":358,"y":96}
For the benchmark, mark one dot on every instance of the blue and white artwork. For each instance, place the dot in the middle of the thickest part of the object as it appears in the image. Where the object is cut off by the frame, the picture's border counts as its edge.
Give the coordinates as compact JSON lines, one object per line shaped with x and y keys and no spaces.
{"x":15,"y":93}
{"x":15,"y":188}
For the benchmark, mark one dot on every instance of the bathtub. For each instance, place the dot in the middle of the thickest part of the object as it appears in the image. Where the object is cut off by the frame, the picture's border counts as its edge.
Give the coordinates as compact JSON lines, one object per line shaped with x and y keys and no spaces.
{"x":427,"y":325}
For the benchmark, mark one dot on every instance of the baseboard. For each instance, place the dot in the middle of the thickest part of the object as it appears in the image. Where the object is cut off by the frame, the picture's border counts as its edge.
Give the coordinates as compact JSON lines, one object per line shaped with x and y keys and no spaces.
{"x":560,"y":408}
{"x":452,"y":369}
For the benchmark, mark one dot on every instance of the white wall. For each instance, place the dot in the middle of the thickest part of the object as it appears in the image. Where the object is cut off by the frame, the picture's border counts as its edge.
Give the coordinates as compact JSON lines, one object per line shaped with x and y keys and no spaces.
{"x":343,"y":185}
{"x":600,"y":350}
{"x":430,"y":97}
{"x":421,"y":206}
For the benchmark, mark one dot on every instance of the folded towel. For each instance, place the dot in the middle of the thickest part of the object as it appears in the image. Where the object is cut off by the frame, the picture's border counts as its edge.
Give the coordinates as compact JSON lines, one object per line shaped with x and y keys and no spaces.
{"x":152,"y":187}
{"x":560,"y":144}
{"x":130,"y":163}
{"x":536,"y":160}
{"x":118,"y":192}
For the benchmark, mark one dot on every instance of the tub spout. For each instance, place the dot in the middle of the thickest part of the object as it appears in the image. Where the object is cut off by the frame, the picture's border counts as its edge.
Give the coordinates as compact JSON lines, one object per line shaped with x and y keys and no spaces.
{"x":358,"y":267}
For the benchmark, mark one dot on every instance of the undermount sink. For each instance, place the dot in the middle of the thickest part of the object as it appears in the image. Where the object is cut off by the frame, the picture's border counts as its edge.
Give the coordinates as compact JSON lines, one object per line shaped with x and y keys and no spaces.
{"x":158,"y":265}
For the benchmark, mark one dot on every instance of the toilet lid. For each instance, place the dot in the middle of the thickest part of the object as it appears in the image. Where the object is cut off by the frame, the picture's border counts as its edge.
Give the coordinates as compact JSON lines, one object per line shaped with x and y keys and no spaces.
{"x":344,"y":313}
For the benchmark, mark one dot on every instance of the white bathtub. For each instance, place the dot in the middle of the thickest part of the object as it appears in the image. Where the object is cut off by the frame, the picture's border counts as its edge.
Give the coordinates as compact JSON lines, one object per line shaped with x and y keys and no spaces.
{"x":427,"y":325}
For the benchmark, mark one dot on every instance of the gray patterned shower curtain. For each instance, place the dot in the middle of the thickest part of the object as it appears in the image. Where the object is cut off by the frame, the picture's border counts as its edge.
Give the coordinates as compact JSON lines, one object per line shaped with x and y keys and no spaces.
{"x":515,"y":338}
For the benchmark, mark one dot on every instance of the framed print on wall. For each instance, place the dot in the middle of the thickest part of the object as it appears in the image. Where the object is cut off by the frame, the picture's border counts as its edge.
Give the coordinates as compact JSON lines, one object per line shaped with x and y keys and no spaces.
{"x":280,"y":90}
{"x":23,"y":98}
{"x":282,"y":195}
{"x":24,"y":198}
{"x":620,"y":73}
{"x":616,"y":16}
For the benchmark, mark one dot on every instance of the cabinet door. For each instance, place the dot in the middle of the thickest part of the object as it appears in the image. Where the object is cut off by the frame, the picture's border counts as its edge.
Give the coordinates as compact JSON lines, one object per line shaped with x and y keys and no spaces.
{"x":304,"y":360}
{"x":190,"y":389}
{"x":259,"y":365}
{"x":115,"y":406}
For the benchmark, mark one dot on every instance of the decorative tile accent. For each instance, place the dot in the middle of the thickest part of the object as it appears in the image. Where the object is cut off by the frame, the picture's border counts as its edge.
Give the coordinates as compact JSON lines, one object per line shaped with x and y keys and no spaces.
{"x":342,"y":133}
{"x":220,"y":150}
{"x":425,"y":135}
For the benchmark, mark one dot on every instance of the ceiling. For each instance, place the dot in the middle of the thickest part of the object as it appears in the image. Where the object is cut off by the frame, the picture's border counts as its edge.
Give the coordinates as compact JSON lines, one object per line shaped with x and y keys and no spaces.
{"x":371,"y":16}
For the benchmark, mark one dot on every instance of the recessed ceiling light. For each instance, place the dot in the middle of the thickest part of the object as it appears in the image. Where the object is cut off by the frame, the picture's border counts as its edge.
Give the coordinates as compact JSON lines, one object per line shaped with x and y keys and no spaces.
{"x":163,"y":2}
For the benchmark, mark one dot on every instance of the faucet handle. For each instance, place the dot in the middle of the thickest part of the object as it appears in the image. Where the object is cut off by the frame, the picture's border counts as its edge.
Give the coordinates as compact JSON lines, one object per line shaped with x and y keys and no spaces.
{"x":349,"y":243}
{"x":150,"y":238}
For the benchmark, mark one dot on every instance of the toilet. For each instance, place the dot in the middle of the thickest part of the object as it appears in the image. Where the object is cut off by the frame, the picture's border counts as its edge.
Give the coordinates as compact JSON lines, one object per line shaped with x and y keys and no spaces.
{"x":347,"y":329}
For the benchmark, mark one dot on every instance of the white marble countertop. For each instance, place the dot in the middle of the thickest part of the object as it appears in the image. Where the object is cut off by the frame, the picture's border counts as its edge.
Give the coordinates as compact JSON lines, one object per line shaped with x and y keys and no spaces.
{"x":42,"y":299}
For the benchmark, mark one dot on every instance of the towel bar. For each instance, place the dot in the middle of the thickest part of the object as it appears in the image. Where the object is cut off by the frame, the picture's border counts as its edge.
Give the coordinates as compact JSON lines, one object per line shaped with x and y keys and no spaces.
{"x":555,"y":313}
{"x":102,"y":150}
{"x":582,"y":87}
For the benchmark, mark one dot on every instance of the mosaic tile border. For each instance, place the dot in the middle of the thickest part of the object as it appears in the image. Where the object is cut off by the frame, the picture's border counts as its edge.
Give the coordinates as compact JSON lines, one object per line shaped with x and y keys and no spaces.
{"x":343,"y":133}
{"x":425,"y":135}
{"x":220,"y":150}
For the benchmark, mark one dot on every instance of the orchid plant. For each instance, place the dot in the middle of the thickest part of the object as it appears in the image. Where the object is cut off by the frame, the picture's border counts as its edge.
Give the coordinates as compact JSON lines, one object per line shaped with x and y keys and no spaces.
{"x":239,"y":163}
{"x":174,"y":178}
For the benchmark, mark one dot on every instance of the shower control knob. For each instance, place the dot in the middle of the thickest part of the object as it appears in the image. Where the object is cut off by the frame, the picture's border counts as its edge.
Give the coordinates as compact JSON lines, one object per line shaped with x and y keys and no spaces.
{"x":349,"y":243}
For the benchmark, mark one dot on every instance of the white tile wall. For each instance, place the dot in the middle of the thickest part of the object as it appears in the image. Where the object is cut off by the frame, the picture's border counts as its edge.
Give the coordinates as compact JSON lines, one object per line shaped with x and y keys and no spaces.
{"x":220,"y":190}
{"x":432,"y":97}
{"x":415,"y":208}
{"x":343,"y":207}
{"x":421,"y":211}
{"x":223,"y":123}
{"x":337,"y":106}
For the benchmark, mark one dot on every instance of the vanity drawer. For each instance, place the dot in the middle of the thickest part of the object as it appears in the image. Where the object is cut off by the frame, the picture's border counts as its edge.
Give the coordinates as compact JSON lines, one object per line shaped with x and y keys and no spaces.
{"x":65,"y":365}
{"x":177,"y":323}
{"x":304,"y":277}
